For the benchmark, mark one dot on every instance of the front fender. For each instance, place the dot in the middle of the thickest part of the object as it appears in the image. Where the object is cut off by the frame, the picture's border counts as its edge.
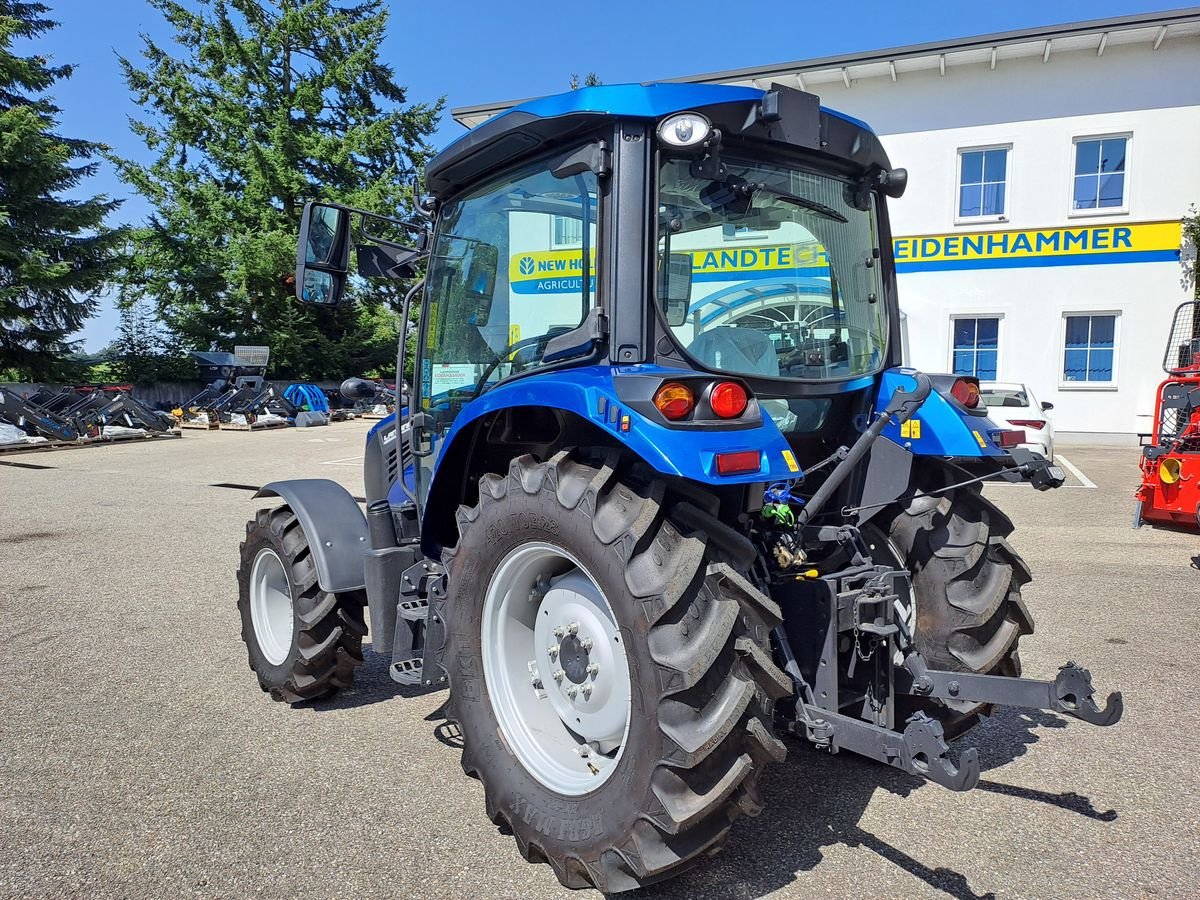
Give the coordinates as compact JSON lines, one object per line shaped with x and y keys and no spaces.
{"x":334,"y":525}
{"x":589,"y":392}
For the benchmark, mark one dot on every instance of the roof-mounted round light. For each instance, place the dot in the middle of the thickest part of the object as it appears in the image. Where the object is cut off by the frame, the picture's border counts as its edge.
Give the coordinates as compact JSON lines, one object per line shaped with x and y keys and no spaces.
{"x":684,"y":130}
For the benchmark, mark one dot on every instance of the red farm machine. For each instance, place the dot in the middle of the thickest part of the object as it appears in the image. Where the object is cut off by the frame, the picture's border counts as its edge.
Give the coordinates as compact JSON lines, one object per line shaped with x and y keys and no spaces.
{"x":1170,"y":489}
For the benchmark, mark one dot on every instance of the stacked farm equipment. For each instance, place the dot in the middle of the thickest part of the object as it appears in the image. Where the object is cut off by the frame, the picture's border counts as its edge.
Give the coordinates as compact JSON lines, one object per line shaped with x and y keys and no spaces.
{"x":238,"y":396}
{"x":80,"y":415}
{"x":369,"y":398}
{"x":1170,"y":489}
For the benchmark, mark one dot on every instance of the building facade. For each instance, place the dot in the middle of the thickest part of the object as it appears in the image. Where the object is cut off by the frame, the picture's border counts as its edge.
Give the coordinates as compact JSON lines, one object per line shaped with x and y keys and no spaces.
{"x":1039,"y":239}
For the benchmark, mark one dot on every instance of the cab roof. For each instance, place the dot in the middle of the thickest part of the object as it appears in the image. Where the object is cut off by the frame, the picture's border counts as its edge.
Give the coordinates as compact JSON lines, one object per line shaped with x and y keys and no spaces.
{"x":522,"y":129}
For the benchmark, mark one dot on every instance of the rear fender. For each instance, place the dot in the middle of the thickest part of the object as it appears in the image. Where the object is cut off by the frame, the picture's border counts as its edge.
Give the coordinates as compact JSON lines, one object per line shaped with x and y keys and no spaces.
{"x":334,"y":525}
{"x":590,"y":394}
{"x":940,"y":427}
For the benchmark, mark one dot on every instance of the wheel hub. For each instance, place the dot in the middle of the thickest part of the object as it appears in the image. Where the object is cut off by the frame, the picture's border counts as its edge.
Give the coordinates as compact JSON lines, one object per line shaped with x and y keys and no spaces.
{"x":573,"y":659}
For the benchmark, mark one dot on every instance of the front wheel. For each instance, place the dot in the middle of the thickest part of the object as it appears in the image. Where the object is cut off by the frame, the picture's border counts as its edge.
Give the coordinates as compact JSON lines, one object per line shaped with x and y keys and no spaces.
{"x":610,"y":675}
{"x":303,"y":643}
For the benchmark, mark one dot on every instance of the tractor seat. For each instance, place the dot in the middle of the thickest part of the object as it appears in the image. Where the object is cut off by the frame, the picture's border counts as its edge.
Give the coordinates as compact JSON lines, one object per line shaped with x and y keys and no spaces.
{"x":740,"y":350}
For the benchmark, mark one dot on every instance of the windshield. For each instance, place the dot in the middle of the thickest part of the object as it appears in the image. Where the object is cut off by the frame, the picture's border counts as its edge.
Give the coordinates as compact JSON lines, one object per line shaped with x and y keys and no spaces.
{"x":785,"y":279}
{"x":1001,"y":397}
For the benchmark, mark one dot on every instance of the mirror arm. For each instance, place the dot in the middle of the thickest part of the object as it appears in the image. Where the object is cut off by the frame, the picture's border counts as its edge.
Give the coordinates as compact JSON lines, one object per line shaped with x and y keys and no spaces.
{"x":400,"y":353}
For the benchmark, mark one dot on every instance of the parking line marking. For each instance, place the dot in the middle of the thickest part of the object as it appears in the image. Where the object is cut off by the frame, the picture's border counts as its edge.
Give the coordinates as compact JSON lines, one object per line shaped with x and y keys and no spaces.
{"x":344,"y":461}
{"x":1087,"y":482}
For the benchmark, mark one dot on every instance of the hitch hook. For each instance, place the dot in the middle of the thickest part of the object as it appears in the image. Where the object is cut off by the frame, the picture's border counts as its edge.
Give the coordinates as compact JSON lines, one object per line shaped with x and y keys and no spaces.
{"x":926,"y":753}
{"x":1073,"y":696}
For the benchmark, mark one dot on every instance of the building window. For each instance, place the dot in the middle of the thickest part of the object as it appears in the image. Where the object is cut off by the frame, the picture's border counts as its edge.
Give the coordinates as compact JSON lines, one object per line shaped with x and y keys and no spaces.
{"x":982,"y":182}
{"x":1089,"y":348}
{"x":1099,"y":174}
{"x":567,"y":232}
{"x":976,"y":347}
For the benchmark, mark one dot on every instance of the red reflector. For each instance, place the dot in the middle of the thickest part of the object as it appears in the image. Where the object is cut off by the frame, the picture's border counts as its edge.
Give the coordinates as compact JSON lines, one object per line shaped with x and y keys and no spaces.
{"x":965,"y":392}
{"x":728,"y":400}
{"x":1008,"y":438}
{"x":738,"y":462}
{"x":1035,"y":424}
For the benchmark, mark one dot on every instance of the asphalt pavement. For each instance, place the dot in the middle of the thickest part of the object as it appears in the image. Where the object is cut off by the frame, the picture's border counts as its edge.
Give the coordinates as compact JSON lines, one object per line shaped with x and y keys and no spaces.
{"x":138,"y":757}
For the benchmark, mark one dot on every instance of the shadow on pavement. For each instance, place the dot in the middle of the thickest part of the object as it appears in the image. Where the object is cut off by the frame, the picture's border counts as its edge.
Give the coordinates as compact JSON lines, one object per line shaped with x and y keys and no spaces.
{"x":814,"y":801}
{"x":372,"y":684}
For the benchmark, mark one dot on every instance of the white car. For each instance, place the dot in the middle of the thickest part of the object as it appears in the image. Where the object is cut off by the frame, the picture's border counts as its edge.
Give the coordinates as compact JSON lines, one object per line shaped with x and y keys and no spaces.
{"x":1012,"y":405}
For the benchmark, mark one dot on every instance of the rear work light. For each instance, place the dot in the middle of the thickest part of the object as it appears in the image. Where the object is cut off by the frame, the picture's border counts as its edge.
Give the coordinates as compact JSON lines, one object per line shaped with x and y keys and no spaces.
{"x":965,"y":392}
{"x":674,"y":400}
{"x":1008,"y":438}
{"x":728,"y":400}
{"x":1035,"y":424}
{"x":737,"y":463}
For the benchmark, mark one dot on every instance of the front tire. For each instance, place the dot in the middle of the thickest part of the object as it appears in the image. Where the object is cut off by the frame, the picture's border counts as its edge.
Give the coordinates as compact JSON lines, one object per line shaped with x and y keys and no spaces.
{"x":303,"y":643}
{"x":966,"y":588}
{"x":659,"y":788}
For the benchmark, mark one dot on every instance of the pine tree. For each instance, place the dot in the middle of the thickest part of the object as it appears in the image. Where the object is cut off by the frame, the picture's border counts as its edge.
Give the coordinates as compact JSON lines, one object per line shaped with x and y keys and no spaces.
{"x":56,"y":254}
{"x":268,"y":103}
{"x":591,"y":79}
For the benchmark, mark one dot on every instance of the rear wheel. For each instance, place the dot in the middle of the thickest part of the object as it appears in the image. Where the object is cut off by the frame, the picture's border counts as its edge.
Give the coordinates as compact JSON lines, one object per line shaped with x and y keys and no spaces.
{"x":303,"y":643}
{"x":611,"y":676}
{"x":967,"y":610}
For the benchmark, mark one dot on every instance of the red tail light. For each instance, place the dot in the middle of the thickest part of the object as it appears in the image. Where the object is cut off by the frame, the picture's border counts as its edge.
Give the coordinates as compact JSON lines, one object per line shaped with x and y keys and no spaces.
{"x":1035,"y":424}
{"x":674,"y":400}
{"x":1008,"y":438}
{"x":738,"y":463}
{"x":965,"y":392}
{"x":728,"y":400}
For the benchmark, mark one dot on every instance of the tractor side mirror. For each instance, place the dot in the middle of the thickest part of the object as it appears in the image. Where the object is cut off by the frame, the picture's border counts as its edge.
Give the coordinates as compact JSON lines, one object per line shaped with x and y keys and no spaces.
{"x":479,"y":279}
{"x":323,"y":254}
{"x":675,"y":287}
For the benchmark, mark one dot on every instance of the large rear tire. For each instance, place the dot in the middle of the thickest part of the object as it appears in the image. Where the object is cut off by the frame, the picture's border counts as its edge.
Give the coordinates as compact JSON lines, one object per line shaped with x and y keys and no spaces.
{"x":303,"y":643}
{"x":966,"y":582}
{"x":610,"y":807}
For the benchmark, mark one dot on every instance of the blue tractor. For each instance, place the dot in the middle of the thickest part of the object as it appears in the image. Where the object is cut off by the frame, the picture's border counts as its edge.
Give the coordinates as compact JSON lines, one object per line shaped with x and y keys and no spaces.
{"x":663,"y":493}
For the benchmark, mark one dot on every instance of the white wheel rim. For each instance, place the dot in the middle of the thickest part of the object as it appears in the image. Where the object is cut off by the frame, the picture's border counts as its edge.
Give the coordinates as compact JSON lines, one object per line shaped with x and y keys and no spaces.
{"x":271,"y":606}
{"x":555,"y":668}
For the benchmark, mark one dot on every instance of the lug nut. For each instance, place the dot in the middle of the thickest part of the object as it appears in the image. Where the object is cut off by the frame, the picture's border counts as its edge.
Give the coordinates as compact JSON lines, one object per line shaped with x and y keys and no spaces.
{"x":558,"y":676}
{"x":584,"y":750}
{"x":552,"y":650}
{"x":586,"y":643}
{"x":592,"y":669}
{"x":587,"y":691}
{"x":572,"y":691}
{"x":559,"y":631}
{"x":573,"y":628}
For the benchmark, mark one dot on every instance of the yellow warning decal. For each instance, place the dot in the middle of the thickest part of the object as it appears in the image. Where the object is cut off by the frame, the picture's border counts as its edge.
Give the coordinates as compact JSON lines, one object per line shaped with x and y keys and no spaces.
{"x":911,"y":429}
{"x":790,"y":459}
{"x":979,"y":438}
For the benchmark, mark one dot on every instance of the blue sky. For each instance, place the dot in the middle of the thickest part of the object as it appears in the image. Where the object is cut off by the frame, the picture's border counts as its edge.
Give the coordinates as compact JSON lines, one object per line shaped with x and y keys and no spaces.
{"x":476,"y":52}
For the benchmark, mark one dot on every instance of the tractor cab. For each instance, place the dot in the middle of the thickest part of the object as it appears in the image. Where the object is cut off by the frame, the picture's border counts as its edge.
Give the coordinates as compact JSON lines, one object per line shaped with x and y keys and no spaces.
{"x":662,"y":487}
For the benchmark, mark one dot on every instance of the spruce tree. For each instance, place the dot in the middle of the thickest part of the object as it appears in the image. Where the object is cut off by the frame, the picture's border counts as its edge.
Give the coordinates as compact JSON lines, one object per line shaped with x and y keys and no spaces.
{"x":259,"y":106}
{"x":56,"y":254}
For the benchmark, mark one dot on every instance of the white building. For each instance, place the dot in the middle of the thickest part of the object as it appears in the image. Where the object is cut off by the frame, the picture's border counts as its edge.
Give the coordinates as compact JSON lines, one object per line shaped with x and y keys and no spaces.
{"x":1048,"y":171}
